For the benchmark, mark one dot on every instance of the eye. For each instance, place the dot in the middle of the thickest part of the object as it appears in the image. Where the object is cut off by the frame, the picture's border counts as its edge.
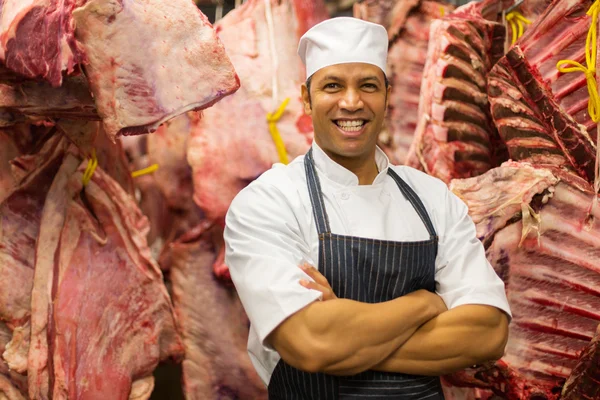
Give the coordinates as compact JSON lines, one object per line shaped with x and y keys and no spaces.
{"x":370,"y":86}
{"x":331,"y":86}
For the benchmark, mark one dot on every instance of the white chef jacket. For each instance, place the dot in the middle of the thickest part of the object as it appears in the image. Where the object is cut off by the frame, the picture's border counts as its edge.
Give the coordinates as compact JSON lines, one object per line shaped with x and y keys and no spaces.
{"x":270,"y":230}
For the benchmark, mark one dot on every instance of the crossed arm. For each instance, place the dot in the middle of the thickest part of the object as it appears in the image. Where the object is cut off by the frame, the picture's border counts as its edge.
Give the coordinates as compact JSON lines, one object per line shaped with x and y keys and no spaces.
{"x":413,"y":334}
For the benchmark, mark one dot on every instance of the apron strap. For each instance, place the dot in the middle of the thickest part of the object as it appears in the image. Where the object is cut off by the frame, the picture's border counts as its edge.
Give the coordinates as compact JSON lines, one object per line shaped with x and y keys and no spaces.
{"x":416,"y":202}
{"x":318,"y":204}
{"x":316,"y":196}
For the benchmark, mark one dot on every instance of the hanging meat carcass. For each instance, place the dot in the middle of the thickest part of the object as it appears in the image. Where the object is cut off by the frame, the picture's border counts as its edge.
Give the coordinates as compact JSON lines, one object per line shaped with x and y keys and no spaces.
{"x":182,"y":68}
{"x":542,"y":114}
{"x":95,"y":243}
{"x":232,"y":145}
{"x":216,"y":364}
{"x":20,"y":215}
{"x":541,"y":231}
{"x":455,"y":136}
{"x":408,"y":24}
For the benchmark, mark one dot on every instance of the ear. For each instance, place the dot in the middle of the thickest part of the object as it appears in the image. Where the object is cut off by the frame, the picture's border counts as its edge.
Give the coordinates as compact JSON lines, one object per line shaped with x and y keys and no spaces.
{"x":306,"y":100}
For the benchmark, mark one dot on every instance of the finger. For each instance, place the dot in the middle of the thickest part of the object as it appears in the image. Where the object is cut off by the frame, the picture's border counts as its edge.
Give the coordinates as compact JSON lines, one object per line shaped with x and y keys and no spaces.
{"x":316,"y":275}
{"x":327,"y":292}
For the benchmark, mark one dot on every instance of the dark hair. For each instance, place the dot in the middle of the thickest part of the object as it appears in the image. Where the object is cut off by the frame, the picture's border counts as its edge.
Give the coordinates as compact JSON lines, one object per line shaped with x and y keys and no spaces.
{"x":309,"y":80}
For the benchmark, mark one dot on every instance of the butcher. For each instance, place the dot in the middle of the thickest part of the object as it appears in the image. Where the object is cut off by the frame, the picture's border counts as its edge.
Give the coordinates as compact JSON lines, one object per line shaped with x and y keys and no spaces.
{"x":361,"y":279}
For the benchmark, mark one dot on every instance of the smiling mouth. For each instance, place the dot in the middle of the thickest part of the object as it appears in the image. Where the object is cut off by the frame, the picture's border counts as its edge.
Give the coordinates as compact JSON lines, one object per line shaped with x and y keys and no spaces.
{"x":354,"y":125}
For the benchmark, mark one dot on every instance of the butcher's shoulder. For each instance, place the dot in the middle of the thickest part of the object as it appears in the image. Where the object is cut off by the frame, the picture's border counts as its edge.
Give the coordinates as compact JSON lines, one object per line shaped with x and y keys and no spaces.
{"x":277,"y":187}
{"x":432,"y":191}
{"x":285,"y":177}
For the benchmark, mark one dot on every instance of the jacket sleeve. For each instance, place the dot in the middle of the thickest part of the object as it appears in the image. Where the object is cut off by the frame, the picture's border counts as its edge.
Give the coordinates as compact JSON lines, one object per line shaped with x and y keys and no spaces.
{"x":264,"y":248}
{"x":463,"y":274}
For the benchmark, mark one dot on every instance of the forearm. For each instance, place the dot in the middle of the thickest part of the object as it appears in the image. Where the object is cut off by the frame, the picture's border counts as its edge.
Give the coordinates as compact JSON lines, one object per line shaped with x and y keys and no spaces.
{"x":454,"y":340}
{"x":345,"y":337}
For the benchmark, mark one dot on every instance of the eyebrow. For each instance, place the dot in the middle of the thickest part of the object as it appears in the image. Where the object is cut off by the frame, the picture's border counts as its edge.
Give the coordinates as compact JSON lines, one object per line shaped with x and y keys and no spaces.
{"x":361,"y":80}
{"x":369,"y":78}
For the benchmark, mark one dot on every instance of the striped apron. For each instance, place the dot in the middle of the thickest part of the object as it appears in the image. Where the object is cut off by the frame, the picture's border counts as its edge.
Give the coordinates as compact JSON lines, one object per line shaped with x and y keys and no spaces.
{"x":370,"y":271}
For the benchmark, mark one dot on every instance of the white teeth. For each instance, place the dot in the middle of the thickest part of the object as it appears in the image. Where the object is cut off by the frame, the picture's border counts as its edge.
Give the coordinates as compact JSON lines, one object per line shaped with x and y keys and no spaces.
{"x":351,"y":126}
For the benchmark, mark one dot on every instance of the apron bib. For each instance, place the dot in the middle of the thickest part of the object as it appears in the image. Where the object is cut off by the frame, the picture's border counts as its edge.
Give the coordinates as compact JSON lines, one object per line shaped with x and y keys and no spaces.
{"x":369,"y":271}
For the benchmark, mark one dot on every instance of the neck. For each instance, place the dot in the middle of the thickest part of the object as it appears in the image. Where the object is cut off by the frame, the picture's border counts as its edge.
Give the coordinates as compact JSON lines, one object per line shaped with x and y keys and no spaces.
{"x":364,"y":167}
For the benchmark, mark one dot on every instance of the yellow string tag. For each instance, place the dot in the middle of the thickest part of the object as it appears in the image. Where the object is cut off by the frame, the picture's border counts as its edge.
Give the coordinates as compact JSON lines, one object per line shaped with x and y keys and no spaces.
{"x":590,"y":59}
{"x":90,"y":169}
{"x":144,"y":171}
{"x":272,"y":119}
{"x":516,"y":21}
{"x":442,"y":11}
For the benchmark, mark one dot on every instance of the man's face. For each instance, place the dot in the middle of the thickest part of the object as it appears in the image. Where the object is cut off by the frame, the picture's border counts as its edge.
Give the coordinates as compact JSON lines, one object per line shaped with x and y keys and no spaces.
{"x":347,"y":103}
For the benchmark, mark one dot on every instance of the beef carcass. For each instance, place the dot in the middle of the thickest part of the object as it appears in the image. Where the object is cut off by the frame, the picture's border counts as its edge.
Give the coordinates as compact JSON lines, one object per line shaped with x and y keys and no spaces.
{"x":8,"y":151}
{"x":27,"y":53}
{"x":541,"y":113}
{"x":455,"y":136}
{"x":408,"y":26}
{"x":542,"y":235}
{"x":165,"y":195}
{"x":583,"y":382}
{"x":231,"y":145}
{"x":94,"y":243}
{"x":20,"y":214}
{"x":13,"y":386}
{"x":31,"y":101}
{"x":214,"y":324}
{"x":182,"y":68}
{"x":134,"y":91}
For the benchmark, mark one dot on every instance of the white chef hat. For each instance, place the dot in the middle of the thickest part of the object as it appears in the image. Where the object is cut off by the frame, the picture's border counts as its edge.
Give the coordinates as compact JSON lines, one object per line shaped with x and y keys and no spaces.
{"x":343,"y":40}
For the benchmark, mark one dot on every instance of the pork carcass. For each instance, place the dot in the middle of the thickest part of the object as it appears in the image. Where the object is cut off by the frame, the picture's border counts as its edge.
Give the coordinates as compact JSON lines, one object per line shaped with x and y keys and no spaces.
{"x":232,"y":145}
{"x":408,"y":24}
{"x":93,"y":243}
{"x":216,"y":364}
{"x":542,"y":114}
{"x":455,"y":136}
{"x":542,"y":235}
{"x":183,"y":66}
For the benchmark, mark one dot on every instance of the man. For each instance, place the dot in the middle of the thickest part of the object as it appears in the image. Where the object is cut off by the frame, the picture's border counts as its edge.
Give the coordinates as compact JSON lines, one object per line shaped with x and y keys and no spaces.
{"x":360,"y":279}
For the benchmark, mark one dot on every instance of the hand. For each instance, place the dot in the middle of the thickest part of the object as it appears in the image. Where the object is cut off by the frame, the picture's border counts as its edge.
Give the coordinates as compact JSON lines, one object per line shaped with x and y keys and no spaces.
{"x":320,"y":282}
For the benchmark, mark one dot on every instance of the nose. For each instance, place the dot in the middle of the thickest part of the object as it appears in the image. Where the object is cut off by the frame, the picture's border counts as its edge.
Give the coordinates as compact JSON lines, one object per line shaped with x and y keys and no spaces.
{"x":351,"y":100}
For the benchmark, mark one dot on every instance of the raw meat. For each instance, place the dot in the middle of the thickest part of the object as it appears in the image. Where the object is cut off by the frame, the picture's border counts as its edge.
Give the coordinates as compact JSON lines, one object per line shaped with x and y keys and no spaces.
{"x":108,"y":347}
{"x":583,"y":382}
{"x":31,"y":100}
{"x":542,"y":114}
{"x":20,"y":214}
{"x":183,"y":66}
{"x":12,"y":385}
{"x":214,"y":324}
{"x":8,"y":151}
{"x":27,"y":52}
{"x":389,"y":13}
{"x":455,"y":135}
{"x":165,"y":195}
{"x":167,"y":148}
{"x":409,"y":34}
{"x":231,"y":145}
{"x":543,"y":234}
